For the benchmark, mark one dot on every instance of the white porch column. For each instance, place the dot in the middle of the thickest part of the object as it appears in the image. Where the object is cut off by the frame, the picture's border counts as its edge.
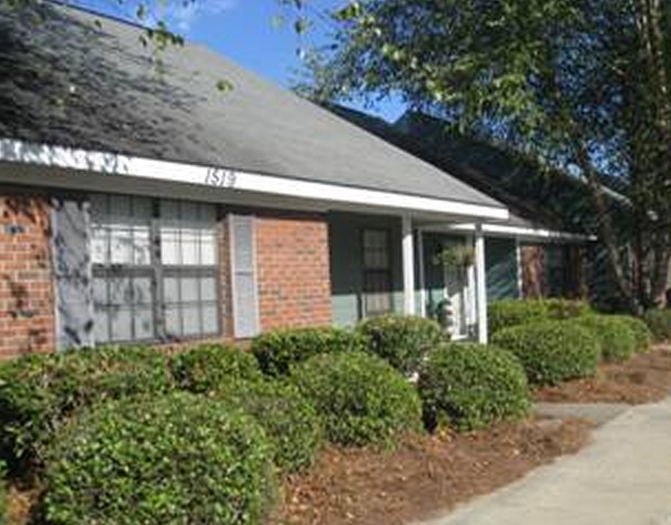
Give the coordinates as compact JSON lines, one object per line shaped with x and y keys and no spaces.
{"x":422,"y":275}
{"x":408,"y":267}
{"x":481,"y":283}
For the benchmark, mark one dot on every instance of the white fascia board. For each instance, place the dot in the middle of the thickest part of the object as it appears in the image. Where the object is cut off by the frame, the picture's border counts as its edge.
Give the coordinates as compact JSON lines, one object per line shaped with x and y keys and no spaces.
{"x":520,"y":231}
{"x":230,"y":179}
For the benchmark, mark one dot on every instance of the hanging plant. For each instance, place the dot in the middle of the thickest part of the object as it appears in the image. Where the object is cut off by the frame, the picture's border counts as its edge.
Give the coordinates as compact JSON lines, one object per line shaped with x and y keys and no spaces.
{"x":458,"y":256}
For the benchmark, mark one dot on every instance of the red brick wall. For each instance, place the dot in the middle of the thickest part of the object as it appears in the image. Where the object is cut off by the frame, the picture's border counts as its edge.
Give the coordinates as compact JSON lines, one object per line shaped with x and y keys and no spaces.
{"x":26,"y":290}
{"x":293,"y":270}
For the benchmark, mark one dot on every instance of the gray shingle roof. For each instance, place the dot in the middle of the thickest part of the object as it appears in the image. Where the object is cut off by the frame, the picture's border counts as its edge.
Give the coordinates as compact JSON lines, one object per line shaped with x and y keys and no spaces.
{"x":67,"y":80}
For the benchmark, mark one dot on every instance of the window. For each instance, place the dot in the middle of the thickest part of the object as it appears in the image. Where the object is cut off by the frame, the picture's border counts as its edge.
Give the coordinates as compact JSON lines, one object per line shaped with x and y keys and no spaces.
{"x":154,"y":269}
{"x":377,"y":272}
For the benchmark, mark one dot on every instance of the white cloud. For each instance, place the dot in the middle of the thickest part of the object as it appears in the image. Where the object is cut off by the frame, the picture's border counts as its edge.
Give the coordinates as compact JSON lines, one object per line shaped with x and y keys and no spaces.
{"x":182,"y":17}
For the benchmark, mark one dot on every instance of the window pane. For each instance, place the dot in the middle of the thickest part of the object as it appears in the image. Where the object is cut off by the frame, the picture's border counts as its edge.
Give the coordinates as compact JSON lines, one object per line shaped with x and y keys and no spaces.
{"x":208,"y":249}
{"x":189,"y":289}
{"x":191,"y":319}
{"x":119,"y":208}
{"x":376,"y":249}
{"x":173,"y":325}
{"x":142,"y":290}
{"x":144,"y":323}
{"x":170,"y":246}
{"x":171,"y":289}
{"x":377,"y":297}
{"x":141,"y":246}
{"x":120,"y":291}
{"x":208,"y":289}
{"x":99,"y":240}
{"x":120,"y":245}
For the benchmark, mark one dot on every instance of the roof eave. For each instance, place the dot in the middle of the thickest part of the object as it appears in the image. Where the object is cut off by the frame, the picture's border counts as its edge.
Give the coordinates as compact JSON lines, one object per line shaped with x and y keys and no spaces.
{"x":221,"y":178}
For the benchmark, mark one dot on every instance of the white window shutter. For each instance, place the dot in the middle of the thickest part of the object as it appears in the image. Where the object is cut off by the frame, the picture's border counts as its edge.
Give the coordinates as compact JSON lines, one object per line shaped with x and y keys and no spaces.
{"x":243,"y":276}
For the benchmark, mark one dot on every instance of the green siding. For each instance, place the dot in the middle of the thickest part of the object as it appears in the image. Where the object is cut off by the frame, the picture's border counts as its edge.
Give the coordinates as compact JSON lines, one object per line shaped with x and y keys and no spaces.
{"x":345,"y":233}
{"x":501,"y":262}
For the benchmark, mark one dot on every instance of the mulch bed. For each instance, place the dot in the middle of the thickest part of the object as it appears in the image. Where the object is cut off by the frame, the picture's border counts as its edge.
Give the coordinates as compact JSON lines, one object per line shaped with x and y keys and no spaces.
{"x":646,"y":378}
{"x":424,"y":475}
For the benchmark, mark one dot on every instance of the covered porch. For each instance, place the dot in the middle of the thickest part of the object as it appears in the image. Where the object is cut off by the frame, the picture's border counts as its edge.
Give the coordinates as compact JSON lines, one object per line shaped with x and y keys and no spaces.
{"x":395,"y":264}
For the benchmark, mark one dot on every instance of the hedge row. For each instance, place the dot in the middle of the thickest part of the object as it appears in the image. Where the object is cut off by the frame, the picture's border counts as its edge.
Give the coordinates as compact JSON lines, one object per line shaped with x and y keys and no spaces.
{"x":514,"y":312}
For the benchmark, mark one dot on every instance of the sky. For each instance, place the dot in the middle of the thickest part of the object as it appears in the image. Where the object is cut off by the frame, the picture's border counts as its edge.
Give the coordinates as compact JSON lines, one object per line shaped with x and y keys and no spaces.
{"x":257,"y":34}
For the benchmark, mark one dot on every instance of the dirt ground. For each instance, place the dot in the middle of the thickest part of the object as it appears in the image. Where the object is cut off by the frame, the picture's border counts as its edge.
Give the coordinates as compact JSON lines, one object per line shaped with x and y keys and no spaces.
{"x":644,"y":379}
{"x":424,"y":475}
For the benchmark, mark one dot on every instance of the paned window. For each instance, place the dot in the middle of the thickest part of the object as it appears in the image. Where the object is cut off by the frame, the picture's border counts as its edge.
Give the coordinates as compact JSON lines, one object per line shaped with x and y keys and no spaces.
{"x":377,"y":272}
{"x":154,"y":269}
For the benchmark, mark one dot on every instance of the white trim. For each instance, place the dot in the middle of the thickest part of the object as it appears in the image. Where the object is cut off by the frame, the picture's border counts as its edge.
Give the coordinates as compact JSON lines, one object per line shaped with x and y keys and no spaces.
{"x":520,"y":274}
{"x":422,"y":273}
{"x":521,"y":231}
{"x":408,"y":266}
{"x":230,"y":179}
{"x":481,"y":283}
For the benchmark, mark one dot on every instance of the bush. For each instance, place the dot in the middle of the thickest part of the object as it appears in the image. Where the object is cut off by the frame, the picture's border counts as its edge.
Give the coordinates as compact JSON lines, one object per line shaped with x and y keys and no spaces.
{"x":39,"y":392}
{"x":618,"y":342}
{"x":279,"y":350}
{"x":209,"y":367}
{"x":512,"y":312}
{"x":566,"y":308}
{"x":552,"y":351}
{"x":178,"y":458}
{"x":290,"y":421}
{"x":403,"y":341}
{"x":659,"y":322}
{"x":360,"y":398}
{"x":642,"y":334}
{"x":471,"y":386}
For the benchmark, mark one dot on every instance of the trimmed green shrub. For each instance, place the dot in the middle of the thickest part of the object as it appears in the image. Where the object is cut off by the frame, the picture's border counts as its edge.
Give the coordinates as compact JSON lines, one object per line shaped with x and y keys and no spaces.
{"x":279,"y":350}
{"x":403,"y":341}
{"x":512,"y":312}
{"x":39,"y":392}
{"x":178,"y":458}
{"x":290,"y":421}
{"x":471,"y":386}
{"x":642,"y":334}
{"x":552,"y":351}
{"x":566,"y":308}
{"x":618,"y":342}
{"x":659,"y":322}
{"x":209,"y":367}
{"x":359,"y":397}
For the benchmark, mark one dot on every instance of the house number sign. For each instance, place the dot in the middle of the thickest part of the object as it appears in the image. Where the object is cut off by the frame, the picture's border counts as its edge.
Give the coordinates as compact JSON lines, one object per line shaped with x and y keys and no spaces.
{"x":220,"y":178}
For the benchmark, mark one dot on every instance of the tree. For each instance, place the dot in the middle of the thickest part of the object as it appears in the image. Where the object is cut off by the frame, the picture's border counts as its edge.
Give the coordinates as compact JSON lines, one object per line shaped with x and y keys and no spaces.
{"x":582,"y":85}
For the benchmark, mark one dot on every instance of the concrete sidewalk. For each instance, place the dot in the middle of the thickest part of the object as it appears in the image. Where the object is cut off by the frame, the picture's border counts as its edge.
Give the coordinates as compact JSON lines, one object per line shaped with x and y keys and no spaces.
{"x":623,"y":477}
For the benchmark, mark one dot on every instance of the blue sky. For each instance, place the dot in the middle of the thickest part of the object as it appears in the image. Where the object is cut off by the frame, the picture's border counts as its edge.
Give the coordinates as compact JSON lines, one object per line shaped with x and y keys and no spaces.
{"x":248,"y":32}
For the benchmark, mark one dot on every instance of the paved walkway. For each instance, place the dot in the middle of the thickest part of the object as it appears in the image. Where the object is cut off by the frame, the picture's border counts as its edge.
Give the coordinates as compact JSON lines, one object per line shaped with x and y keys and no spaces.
{"x":622,"y":478}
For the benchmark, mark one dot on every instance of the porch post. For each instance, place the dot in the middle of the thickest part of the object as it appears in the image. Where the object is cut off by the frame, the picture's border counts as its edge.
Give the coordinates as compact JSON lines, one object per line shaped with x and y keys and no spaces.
{"x":408,"y":267}
{"x":422,"y":274}
{"x":481,"y":283}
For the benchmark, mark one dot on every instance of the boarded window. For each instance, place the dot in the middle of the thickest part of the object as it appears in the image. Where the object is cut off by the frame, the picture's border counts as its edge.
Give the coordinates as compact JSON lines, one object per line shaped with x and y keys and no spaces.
{"x":377,"y":272}
{"x":154,"y":269}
